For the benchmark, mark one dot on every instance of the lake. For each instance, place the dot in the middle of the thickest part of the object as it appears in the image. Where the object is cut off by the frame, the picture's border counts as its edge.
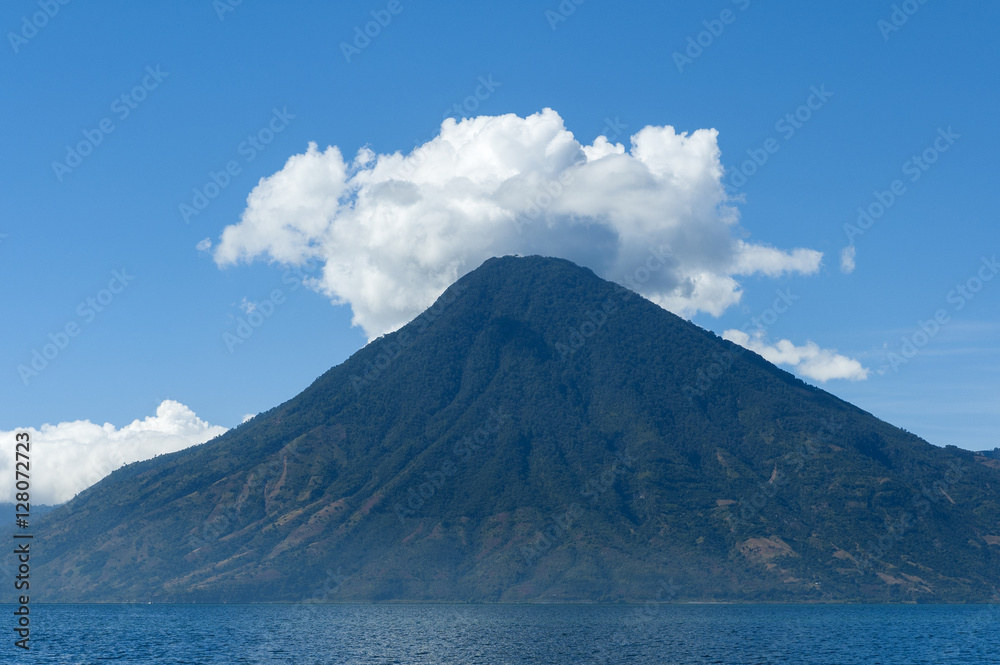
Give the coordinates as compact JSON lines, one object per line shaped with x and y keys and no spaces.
{"x":509,"y":634}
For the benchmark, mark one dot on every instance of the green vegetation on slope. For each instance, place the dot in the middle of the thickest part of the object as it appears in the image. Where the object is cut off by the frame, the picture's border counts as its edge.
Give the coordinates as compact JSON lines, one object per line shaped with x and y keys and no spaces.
{"x":541,"y":434}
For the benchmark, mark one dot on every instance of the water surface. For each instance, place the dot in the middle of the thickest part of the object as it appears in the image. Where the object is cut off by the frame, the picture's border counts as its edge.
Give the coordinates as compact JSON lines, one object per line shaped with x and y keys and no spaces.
{"x":511,"y":634}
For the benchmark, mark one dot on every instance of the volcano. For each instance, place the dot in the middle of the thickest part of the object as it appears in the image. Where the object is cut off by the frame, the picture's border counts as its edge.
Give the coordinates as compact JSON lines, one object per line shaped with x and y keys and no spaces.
{"x":540,"y":434}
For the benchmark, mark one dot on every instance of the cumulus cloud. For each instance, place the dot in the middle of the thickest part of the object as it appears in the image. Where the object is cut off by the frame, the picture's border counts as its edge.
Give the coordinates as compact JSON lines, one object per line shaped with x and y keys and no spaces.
{"x":204,"y":245}
{"x":847,"y":259}
{"x":69,"y":457}
{"x":809,"y":360}
{"x":392,"y":231}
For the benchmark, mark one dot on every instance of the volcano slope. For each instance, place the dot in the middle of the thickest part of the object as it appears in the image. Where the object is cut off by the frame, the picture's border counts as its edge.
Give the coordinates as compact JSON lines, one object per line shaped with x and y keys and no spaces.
{"x":540,"y":434}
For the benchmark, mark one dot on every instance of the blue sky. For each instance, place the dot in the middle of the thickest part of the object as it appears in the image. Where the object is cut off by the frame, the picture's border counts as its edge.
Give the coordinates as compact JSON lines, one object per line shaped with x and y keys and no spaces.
{"x":203,"y":83}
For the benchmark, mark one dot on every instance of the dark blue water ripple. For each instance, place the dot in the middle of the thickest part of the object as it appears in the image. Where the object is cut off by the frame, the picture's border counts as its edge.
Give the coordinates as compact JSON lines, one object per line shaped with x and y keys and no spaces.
{"x":510,"y":634}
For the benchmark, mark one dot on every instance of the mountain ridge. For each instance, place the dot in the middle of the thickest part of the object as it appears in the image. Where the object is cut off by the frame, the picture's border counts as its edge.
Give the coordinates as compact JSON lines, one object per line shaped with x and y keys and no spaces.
{"x":541,"y":434}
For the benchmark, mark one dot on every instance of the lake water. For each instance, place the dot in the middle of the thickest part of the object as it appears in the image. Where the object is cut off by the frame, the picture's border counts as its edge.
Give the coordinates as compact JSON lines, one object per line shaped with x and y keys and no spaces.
{"x":508,"y":634}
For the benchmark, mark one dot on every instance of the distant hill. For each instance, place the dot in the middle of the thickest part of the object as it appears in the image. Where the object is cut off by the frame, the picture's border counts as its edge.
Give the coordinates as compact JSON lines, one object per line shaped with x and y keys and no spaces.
{"x":540,"y":434}
{"x":8,"y":527}
{"x":9,"y":510}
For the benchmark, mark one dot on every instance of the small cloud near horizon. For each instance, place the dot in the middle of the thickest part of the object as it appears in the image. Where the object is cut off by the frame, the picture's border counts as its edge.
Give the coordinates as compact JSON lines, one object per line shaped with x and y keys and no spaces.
{"x":69,"y":457}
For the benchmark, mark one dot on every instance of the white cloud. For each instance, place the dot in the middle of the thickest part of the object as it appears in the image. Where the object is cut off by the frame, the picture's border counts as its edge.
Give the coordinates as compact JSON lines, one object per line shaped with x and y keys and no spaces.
{"x":69,"y":457}
{"x":809,"y":360}
{"x":847,"y":259}
{"x":204,"y":245}
{"x":394,"y":230}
